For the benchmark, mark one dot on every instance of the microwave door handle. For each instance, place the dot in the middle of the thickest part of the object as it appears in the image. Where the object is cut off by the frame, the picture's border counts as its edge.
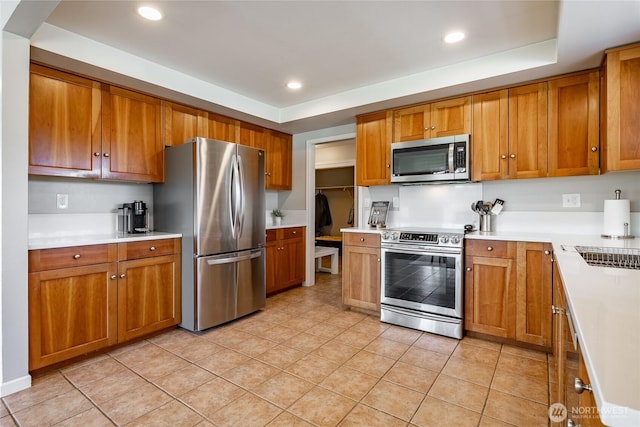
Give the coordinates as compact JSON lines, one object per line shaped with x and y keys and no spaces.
{"x":451,"y":157}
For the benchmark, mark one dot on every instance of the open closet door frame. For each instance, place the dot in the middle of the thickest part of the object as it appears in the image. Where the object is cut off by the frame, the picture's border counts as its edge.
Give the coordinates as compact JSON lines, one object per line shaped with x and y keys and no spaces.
{"x":310,"y":201}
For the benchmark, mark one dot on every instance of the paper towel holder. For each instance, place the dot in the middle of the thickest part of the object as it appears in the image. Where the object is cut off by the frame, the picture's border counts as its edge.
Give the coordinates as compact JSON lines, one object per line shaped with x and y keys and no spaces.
{"x":625,"y":234}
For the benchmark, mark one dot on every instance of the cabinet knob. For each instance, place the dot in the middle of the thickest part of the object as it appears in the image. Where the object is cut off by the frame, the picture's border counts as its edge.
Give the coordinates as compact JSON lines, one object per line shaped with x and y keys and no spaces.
{"x":594,"y":149}
{"x":547,"y":252}
{"x":362,"y":239}
{"x":76,"y":256}
{"x":378,"y":259}
{"x":152,"y":248}
{"x":504,"y":156}
{"x":122,"y":276}
{"x":433,"y":127}
{"x":513,"y":156}
{"x":388,"y":165}
{"x":468,"y":268}
{"x":113,"y":277}
{"x":96,"y":154}
{"x":579,"y":386}
{"x":489,"y":248}
{"x":294,"y":232}
{"x":106,"y":154}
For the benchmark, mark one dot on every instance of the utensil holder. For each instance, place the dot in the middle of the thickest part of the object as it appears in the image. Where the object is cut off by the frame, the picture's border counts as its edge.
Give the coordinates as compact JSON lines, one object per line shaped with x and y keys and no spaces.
{"x":487,"y":223}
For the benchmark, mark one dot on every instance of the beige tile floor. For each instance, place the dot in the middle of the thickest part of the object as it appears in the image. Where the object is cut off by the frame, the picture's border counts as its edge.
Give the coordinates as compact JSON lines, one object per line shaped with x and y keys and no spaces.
{"x":302,"y":361}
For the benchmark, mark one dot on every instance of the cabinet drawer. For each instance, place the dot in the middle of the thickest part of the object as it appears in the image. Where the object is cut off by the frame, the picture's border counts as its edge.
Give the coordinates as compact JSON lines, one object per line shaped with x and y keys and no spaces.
{"x":272,"y":235}
{"x":292,"y":232}
{"x":490,"y":248}
{"x":148,"y":248}
{"x":371,"y":240}
{"x":55,"y":258}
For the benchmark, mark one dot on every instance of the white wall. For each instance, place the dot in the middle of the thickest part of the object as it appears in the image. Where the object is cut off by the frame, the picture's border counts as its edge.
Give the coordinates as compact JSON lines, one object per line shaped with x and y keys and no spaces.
{"x":14,"y":83}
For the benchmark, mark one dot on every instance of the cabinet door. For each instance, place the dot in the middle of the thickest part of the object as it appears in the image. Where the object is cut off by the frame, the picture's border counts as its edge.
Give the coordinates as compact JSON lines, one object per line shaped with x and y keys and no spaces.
{"x":361,"y":277}
{"x":573,"y":125}
{"x":534,"y":290}
{"x":253,"y":136}
{"x":373,"y":148}
{"x":64,"y":124}
{"x":132,"y":136}
{"x":222,"y":128}
{"x":413,"y":123}
{"x":490,"y":298}
{"x":148,"y":295}
{"x":556,"y":379}
{"x":490,"y":142}
{"x":528,"y":131}
{"x":271,"y":259}
{"x":451,"y":117}
{"x":292,"y":261}
{"x":72,"y":311}
{"x":278,"y":162}
{"x":180,"y":123}
{"x":620,"y":110}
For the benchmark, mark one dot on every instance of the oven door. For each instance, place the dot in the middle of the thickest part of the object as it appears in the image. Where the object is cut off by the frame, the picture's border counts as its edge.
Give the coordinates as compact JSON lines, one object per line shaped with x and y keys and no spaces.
{"x":424,"y":279}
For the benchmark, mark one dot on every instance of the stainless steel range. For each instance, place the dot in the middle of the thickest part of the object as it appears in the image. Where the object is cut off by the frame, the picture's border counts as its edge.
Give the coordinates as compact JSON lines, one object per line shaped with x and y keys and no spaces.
{"x":422,"y":280}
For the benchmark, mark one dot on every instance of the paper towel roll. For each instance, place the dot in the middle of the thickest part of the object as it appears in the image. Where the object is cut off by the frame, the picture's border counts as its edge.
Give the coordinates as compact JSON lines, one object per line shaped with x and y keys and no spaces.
{"x":616,"y":214}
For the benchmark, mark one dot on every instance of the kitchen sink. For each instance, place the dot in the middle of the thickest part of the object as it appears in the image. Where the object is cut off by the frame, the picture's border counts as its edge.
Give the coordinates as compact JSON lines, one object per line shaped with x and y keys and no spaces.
{"x":610,"y":257}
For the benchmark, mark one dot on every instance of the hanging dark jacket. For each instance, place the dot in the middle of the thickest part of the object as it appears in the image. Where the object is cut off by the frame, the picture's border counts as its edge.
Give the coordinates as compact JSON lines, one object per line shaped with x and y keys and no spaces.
{"x":323,"y":214}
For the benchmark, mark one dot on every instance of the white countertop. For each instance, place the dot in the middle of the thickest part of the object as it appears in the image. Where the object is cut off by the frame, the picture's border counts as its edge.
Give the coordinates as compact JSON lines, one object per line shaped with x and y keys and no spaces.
{"x":287,"y":225}
{"x":95,"y":239}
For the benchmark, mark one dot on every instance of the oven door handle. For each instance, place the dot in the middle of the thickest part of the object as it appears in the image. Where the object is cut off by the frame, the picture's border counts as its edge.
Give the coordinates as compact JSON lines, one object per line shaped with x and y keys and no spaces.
{"x":422,"y":250}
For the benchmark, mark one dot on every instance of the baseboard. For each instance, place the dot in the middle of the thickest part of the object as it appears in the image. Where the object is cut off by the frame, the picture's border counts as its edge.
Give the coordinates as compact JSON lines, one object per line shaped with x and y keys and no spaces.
{"x":16,"y":385}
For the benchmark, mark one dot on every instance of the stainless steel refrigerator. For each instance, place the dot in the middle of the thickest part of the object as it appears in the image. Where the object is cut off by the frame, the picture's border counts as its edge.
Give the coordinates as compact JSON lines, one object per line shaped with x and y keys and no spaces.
{"x":214,"y":195}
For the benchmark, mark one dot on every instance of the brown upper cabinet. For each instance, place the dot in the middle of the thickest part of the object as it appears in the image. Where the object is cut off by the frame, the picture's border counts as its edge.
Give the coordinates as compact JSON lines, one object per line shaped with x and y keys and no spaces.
{"x":573,"y":125}
{"x":81,"y":128}
{"x":65,"y":124}
{"x":444,"y":118}
{"x":527,"y":154}
{"x":620,"y":109}
{"x":181,"y":123}
{"x":373,"y":148}
{"x":278,"y":162}
{"x":132,"y":136}
{"x":543,"y":129}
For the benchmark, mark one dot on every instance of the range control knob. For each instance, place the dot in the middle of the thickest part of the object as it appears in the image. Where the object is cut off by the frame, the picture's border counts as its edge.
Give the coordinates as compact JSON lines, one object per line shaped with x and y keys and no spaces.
{"x":385,"y":235}
{"x":455,"y":240}
{"x":444,"y":239}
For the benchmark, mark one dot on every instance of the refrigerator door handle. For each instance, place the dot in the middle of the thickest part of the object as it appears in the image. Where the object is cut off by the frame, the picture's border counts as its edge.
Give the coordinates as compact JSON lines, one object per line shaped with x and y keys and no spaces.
{"x":242,"y":200}
{"x":233,"y":196}
{"x":233,"y":259}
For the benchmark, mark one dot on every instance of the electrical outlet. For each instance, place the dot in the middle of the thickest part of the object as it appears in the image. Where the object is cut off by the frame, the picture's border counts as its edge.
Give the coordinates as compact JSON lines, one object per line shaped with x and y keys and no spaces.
{"x":367,"y":202}
{"x":62,"y":201}
{"x":571,"y":200}
{"x":396,"y":202}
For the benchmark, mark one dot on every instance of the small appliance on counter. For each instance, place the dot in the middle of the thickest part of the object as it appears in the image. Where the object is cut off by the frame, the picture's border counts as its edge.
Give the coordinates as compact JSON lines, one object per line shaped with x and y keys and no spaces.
{"x":135,"y":217}
{"x":617,"y":218}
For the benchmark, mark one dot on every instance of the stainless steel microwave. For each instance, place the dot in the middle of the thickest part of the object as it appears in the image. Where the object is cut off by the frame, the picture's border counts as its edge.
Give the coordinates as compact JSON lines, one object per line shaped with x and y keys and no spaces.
{"x":443,"y":159}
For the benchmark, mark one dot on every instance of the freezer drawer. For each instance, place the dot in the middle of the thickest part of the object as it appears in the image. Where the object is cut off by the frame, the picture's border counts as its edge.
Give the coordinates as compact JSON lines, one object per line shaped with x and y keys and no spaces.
{"x":228,"y":286}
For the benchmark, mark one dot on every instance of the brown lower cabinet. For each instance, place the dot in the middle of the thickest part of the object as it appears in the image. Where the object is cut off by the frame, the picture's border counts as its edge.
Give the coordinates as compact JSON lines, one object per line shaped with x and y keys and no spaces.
{"x":85,"y":298}
{"x":361,"y":270}
{"x":508,"y":290}
{"x":285,"y":258}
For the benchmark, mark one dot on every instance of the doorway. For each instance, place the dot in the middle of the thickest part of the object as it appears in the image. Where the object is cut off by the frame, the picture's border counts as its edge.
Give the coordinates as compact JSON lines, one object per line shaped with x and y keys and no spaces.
{"x":330,"y":176}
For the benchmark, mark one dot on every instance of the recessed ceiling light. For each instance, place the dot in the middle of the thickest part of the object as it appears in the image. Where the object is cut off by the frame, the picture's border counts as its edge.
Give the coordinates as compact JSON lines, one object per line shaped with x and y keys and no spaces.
{"x":150,"y":13}
{"x":454,"y":37}
{"x":294,"y":85}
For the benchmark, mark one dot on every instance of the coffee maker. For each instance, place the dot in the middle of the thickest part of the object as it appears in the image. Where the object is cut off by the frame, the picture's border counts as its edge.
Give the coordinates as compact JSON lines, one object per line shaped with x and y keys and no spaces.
{"x":135,"y":217}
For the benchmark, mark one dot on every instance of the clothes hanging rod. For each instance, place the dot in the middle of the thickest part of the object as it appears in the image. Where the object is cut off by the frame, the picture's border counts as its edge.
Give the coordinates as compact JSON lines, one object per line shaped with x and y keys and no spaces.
{"x":335,"y":187}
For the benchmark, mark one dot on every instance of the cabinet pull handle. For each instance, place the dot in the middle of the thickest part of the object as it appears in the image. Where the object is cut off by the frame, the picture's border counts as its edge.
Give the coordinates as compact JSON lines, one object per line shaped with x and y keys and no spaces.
{"x":513,"y":156}
{"x":468,"y":268}
{"x":106,"y":154}
{"x":152,"y":248}
{"x":489,"y":248}
{"x":504,"y":156}
{"x":122,"y":276}
{"x":113,"y":277}
{"x":579,"y":386}
{"x":96,"y":154}
{"x":76,"y":256}
{"x":594,"y":149}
